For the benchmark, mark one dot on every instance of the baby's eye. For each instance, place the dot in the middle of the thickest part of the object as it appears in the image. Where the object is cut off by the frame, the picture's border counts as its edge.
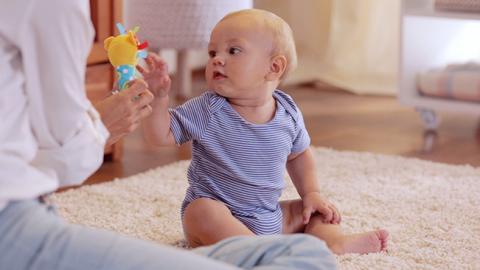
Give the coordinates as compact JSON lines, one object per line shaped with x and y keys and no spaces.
{"x":212,"y":54}
{"x":233,"y":50}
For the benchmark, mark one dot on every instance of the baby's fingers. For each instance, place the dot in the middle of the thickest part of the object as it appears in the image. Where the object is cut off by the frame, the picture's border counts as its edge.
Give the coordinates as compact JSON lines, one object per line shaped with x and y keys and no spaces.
{"x":307,"y":212}
{"x":335,"y":215}
{"x":155,"y":62}
{"x":141,"y":69}
{"x":327,"y":214}
{"x":150,"y":60}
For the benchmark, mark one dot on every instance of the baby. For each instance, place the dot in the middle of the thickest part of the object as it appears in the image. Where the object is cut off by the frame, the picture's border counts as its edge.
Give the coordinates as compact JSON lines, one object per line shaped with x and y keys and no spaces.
{"x":245,"y":132}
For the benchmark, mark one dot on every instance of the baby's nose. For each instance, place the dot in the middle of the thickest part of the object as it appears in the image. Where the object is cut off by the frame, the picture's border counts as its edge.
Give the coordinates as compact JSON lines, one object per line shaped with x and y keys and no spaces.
{"x":217,"y":60}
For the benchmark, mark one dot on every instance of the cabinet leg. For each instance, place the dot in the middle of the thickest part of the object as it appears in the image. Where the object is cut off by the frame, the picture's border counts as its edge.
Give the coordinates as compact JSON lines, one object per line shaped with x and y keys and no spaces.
{"x":429,"y":118}
{"x":430,"y":137}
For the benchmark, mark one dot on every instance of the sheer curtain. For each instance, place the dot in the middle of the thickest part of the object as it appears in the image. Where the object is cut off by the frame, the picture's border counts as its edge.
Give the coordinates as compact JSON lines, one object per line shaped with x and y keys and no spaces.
{"x":349,"y":44}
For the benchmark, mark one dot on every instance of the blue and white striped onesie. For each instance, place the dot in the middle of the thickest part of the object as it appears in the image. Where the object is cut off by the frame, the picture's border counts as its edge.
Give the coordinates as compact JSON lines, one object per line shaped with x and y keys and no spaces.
{"x":236,"y":162}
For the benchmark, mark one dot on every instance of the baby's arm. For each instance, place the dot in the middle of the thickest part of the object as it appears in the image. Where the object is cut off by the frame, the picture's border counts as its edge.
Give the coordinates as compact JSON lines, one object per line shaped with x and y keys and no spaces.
{"x":301,"y":168}
{"x":156,"y":127}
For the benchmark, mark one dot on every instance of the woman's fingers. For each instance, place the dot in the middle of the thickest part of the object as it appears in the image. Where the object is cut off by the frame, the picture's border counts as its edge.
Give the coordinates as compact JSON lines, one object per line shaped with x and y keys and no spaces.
{"x":115,"y":86}
{"x":142,"y":107}
{"x":145,"y":111}
{"x":144,"y":99}
{"x":135,"y":89}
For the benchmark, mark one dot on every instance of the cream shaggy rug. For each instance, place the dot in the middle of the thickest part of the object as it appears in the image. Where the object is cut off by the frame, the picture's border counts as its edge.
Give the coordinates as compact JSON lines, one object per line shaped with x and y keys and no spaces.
{"x":431,"y":210}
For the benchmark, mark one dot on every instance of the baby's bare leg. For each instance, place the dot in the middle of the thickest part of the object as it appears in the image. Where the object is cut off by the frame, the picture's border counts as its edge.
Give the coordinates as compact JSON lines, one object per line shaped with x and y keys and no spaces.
{"x":337,"y":241}
{"x":207,"y":221}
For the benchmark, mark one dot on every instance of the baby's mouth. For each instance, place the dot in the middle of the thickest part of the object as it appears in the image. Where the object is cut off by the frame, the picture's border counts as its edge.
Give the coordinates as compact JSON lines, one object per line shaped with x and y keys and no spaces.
{"x":218,"y":75}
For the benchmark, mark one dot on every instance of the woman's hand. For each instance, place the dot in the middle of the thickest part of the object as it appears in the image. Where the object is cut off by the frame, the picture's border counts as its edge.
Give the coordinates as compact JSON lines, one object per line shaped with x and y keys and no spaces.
{"x":156,"y":75}
{"x":122,"y":113}
{"x":313,"y":202}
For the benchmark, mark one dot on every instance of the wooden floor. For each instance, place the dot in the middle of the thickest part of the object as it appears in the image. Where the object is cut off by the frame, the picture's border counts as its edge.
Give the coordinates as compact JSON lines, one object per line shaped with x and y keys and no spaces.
{"x":341,"y":121}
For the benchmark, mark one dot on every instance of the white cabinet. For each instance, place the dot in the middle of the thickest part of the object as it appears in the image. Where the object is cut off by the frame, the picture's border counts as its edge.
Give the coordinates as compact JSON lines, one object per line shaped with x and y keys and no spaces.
{"x":432,"y":39}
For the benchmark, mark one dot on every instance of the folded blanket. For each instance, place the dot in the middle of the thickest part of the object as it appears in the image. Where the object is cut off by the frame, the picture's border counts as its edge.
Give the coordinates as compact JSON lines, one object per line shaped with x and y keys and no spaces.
{"x":458,"y":5}
{"x":459,"y":81}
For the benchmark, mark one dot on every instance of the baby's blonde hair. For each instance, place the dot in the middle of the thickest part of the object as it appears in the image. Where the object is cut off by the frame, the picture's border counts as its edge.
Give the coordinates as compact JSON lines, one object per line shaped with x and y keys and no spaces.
{"x":283,"y":42}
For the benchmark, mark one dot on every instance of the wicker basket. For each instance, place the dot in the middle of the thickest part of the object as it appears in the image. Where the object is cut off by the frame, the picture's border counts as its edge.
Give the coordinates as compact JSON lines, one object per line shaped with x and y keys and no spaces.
{"x":458,"y":5}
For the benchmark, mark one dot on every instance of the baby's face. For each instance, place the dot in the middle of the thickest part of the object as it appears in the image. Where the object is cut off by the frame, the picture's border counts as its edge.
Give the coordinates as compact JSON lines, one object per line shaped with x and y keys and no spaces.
{"x":239,"y":58}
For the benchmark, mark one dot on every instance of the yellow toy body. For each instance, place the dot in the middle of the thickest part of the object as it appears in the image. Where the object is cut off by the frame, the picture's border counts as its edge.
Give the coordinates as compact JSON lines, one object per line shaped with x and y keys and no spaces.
{"x":123,"y":51}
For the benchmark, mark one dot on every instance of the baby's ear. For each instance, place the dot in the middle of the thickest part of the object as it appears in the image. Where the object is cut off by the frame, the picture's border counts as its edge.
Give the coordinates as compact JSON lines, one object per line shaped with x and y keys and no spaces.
{"x":106,"y":42}
{"x":278,"y":65}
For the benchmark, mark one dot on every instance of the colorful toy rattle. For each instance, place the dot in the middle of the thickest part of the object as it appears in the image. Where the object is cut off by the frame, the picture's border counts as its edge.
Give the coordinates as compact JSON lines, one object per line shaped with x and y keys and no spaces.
{"x":123,"y":52}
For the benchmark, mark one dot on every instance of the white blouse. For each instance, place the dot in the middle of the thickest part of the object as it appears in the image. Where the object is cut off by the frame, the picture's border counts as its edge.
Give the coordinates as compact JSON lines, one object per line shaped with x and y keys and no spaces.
{"x":50,"y":135}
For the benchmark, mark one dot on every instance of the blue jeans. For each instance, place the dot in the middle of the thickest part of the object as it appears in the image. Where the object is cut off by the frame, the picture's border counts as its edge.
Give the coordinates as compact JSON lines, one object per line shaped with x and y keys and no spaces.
{"x":32,"y":236}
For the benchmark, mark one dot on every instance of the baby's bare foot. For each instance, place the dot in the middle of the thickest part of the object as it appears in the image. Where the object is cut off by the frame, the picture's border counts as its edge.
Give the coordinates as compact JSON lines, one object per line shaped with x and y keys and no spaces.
{"x":363,"y":243}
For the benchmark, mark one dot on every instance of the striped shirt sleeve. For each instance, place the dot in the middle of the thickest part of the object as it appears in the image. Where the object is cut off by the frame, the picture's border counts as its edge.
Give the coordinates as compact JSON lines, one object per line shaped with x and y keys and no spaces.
{"x":302,"y":139}
{"x":190,"y":120}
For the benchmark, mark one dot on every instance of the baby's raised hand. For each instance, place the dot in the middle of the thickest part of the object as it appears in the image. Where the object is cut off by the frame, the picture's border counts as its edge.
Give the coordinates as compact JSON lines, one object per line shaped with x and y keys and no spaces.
{"x":156,"y":75}
{"x":314,"y":202}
